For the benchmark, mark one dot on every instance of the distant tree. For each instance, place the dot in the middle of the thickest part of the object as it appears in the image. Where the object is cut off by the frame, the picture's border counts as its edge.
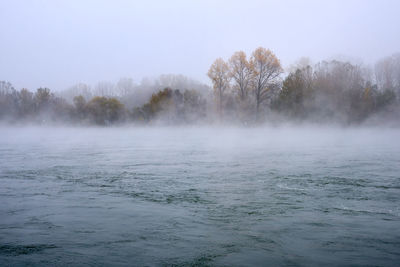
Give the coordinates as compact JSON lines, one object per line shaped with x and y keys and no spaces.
{"x":78,"y":89}
{"x":241,"y":71}
{"x":159,"y":103}
{"x":338,"y":87}
{"x":80,"y":107}
{"x":26,"y":103}
{"x":6,"y":88}
{"x":105,"y":88}
{"x":371,"y":101}
{"x":161,"y":100}
{"x":115,"y":110}
{"x":385,"y":98}
{"x":60,"y":110}
{"x":292,"y":95}
{"x":42,"y":98}
{"x":125,"y":86}
{"x":219,"y":75}
{"x":194,"y":106}
{"x":140,"y":114}
{"x":171,"y":106}
{"x":387,"y":73}
{"x":167,"y":104}
{"x":267,"y":70}
{"x":8,"y":100}
{"x":80,"y":103}
{"x":97,"y":109}
{"x":105,"y":110}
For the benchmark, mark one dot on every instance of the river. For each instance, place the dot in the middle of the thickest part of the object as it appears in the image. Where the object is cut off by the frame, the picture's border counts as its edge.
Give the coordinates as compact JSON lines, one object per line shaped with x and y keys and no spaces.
{"x":199,"y":196}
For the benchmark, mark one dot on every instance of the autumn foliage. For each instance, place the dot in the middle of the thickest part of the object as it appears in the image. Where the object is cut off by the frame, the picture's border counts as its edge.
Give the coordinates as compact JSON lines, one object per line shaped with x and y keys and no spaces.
{"x":245,"y":90}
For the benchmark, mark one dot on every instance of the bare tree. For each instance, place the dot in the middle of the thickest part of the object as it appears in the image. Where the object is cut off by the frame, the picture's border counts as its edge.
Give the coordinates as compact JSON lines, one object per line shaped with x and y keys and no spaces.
{"x":75,"y":90}
{"x":267,"y":70}
{"x":241,"y":71}
{"x":124,"y":86}
{"x":6,"y":88}
{"x":219,"y":75}
{"x":387,"y":73}
{"x":384,"y":73}
{"x":105,"y":88}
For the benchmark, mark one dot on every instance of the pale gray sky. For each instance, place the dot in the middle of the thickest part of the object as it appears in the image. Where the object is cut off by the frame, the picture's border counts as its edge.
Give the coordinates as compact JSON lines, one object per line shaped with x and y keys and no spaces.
{"x":59,"y":43}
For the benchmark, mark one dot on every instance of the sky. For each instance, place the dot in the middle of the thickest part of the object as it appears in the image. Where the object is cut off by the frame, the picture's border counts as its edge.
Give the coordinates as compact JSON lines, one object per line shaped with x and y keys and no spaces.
{"x":56,"y":44}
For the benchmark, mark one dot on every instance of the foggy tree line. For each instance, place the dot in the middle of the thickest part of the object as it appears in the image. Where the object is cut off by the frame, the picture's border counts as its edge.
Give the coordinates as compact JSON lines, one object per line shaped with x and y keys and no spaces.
{"x":130,"y":93}
{"x":107,"y":103}
{"x":43,"y":106}
{"x":245,"y":91}
{"x":253,"y":89}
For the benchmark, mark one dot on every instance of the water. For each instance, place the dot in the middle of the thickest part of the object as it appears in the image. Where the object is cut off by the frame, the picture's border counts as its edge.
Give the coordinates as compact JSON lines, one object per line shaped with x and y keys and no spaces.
{"x":199,"y":197}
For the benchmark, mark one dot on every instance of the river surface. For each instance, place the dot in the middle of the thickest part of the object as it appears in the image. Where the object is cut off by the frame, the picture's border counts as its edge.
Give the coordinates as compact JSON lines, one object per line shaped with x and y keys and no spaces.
{"x":199,"y":197}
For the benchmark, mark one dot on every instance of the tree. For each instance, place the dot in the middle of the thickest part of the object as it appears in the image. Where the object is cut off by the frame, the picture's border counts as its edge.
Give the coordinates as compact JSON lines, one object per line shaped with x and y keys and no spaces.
{"x":194,"y":106}
{"x":161,"y":100}
{"x":387,"y":73}
{"x":26,"y":102}
{"x":105,"y":110}
{"x":385,"y":98}
{"x":8,"y":99}
{"x":267,"y":70}
{"x":241,"y":71}
{"x":292,"y":94}
{"x":6,"y":88}
{"x":115,"y":110}
{"x":105,"y":88}
{"x":80,"y":103}
{"x":42,"y":98}
{"x":125,"y":86}
{"x":80,"y":107}
{"x":168,"y":105}
{"x":219,"y":75}
{"x":76,"y":90}
{"x":171,"y":106}
{"x":338,"y":87}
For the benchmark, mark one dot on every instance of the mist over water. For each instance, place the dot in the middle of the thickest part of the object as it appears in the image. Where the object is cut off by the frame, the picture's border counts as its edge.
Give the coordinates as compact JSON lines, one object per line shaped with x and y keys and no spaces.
{"x":202,"y":196}
{"x":199,"y":133}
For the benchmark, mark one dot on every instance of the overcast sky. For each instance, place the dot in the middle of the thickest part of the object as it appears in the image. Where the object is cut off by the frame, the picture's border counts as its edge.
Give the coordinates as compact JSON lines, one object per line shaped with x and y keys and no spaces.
{"x":59,"y":43}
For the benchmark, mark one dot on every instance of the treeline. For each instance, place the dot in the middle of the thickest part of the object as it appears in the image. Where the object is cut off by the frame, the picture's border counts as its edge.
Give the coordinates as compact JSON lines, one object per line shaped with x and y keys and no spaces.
{"x":130,"y":93}
{"x":245,"y":91}
{"x":43,"y":106}
{"x":253,"y":89}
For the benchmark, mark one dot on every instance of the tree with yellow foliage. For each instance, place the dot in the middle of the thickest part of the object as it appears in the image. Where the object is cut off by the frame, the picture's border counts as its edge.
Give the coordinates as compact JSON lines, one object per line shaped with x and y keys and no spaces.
{"x":241,"y":71}
{"x":267,"y":71}
{"x":219,"y":75}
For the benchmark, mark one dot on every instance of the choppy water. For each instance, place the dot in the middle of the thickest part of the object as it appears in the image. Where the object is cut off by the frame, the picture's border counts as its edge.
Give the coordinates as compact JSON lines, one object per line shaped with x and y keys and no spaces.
{"x":189,"y":196}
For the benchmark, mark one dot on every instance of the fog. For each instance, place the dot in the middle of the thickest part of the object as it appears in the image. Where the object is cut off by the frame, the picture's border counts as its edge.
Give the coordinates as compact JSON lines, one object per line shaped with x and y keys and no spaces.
{"x":230,"y":138}
{"x":199,"y":133}
{"x":58,"y":44}
{"x":203,"y":62}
